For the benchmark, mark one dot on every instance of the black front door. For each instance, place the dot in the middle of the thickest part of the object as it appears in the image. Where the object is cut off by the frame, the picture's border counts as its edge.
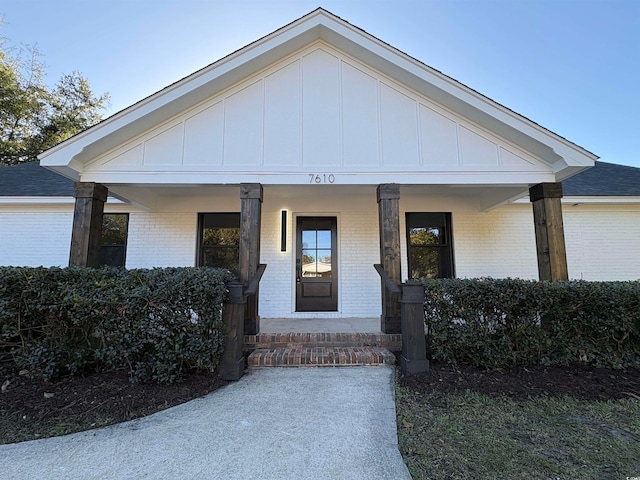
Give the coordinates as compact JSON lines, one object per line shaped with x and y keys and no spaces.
{"x":316,"y":262}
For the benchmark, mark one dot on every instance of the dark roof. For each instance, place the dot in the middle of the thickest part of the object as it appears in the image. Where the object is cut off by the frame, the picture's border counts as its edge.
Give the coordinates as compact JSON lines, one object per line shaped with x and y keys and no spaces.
{"x":605,"y":179}
{"x":31,"y":180}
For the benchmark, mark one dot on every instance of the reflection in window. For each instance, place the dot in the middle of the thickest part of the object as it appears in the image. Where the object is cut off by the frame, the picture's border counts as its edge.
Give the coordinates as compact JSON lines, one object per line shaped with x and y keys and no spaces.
{"x":113,"y":240}
{"x":316,"y":253}
{"x":219,"y":240}
{"x":429,"y":245}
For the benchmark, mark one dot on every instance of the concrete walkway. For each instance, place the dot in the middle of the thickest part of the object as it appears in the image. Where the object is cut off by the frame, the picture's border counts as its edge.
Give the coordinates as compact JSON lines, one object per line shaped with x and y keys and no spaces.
{"x":275,"y":423}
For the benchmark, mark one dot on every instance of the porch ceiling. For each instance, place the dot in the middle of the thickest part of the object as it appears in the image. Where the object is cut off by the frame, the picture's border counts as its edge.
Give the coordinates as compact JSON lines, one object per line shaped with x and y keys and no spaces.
{"x":151,"y":197}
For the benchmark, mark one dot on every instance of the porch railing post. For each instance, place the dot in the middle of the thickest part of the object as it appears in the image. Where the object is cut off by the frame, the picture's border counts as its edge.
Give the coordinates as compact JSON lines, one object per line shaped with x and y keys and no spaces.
{"x":414,"y":348}
{"x":232,"y":360}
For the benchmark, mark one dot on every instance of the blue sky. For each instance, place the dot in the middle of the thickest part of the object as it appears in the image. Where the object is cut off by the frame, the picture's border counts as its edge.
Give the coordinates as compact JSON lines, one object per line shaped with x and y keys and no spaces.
{"x":572,"y":66}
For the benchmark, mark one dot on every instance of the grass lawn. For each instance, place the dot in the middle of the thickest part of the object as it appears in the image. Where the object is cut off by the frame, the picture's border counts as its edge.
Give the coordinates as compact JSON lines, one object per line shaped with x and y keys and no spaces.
{"x":471,"y":435}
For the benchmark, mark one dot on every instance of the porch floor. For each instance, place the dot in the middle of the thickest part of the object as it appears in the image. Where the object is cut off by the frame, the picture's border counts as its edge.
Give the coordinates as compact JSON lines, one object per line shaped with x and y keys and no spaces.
{"x":320,"y":325}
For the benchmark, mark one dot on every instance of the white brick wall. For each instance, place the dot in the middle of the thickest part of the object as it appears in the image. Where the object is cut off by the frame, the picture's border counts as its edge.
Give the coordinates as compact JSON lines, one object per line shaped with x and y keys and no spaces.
{"x":499,"y":243}
{"x":162,"y":240}
{"x":603,"y":243}
{"x":35,"y":238}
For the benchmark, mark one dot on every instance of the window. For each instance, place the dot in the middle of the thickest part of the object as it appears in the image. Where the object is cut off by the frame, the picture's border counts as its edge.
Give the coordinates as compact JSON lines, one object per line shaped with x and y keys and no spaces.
{"x":219,"y":240}
{"x":429,"y":243}
{"x":113,"y":242}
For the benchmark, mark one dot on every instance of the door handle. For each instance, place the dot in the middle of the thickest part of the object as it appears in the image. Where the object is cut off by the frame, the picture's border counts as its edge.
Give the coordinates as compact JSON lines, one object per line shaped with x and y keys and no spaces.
{"x":298,"y":270}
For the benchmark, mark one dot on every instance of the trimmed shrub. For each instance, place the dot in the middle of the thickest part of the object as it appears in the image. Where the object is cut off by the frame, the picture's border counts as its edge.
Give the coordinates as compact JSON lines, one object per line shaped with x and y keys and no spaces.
{"x":494,"y":323}
{"x":157,"y":324}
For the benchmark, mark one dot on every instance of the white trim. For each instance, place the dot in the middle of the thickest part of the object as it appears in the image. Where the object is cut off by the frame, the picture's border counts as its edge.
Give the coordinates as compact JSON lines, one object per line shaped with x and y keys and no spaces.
{"x":591,"y":200}
{"x":62,"y":200}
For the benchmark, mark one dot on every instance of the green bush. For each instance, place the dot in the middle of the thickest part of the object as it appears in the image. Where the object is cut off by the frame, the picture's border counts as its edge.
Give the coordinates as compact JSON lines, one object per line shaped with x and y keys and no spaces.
{"x":500,"y":323}
{"x":156,"y":323}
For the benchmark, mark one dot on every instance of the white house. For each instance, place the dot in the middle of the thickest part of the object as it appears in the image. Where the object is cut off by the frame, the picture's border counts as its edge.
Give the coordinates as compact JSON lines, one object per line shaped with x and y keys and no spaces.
{"x":319,"y":150}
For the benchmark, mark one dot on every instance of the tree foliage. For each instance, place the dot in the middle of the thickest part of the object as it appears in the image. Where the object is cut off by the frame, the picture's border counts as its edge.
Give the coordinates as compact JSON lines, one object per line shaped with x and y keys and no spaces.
{"x":35,"y":117}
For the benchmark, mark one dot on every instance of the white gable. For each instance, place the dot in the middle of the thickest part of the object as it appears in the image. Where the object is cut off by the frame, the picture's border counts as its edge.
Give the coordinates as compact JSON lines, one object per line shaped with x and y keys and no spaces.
{"x":318,"y":109}
{"x":318,"y":96}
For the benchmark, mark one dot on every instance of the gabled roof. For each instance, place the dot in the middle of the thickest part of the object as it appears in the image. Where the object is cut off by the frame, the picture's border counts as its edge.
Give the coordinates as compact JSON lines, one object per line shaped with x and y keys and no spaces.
{"x":31,"y":180}
{"x":604,"y":179}
{"x":562,"y":157}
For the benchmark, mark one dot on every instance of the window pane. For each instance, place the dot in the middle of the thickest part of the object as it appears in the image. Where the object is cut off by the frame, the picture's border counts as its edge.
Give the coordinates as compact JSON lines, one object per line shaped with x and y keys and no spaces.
{"x":113,"y":239}
{"x":114,"y":229}
{"x":220,"y":240}
{"x":221,"y":236}
{"x":221,"y":257}
{"x":324,"y":238}
{"x":429,"y":244}
{"x":111,"y":255}
{"x":425,"y":236}
{"x":309,"y":239}
{"x":434,"y":225}
{"x":425,"y":262}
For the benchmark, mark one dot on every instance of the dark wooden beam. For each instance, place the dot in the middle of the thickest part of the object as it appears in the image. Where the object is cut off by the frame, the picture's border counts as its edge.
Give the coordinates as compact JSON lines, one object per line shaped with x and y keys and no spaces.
{"x":87,"y":223}
{"x":549,"y":227}
{"x":250,"y":218}
{"x":388,"y":197}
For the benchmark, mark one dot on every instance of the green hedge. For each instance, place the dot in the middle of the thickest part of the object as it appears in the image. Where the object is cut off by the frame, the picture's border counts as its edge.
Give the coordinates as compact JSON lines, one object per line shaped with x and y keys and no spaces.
{"x":157,"y":324}
{"x":500,"y":323}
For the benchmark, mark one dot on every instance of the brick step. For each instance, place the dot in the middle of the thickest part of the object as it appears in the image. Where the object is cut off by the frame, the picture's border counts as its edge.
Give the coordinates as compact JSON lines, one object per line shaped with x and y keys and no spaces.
{"x":392,"y":342}
{"x":320,"y":357}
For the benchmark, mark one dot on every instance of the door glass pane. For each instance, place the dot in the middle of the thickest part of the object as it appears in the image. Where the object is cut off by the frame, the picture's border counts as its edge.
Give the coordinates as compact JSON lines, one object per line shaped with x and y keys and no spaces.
{"x":324,"y":238}
{"x":309,"y":239}
{"x":309,"y":267}
{"x":324,"y":263}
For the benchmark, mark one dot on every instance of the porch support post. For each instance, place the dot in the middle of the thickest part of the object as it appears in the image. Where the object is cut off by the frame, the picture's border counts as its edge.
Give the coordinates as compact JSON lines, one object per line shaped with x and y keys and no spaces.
{"x":388,"y":197}
{"x":87,"y":223}
{"x":250,"y":213}
{"x":547,"y":217}
{"x":232,"y":359}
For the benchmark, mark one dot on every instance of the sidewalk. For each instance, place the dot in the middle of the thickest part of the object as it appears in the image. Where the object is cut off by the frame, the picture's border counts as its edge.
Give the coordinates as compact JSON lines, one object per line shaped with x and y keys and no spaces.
{"x":275,"y":423}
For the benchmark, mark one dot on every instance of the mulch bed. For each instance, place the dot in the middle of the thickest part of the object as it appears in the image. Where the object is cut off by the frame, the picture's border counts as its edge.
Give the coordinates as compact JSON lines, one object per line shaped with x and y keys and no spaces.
{"x":30,"y":408}
{"x":580,"y":382}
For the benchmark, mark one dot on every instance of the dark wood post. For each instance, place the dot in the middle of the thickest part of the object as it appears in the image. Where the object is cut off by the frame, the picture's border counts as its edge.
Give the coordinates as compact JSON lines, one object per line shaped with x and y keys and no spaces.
{"x":547,"y":217}
{"x":232,"y":360}
{"x":87,"y":223}
{"x":250,"y":213}
{"x":388,"y":197}
{"x":414,"y":347}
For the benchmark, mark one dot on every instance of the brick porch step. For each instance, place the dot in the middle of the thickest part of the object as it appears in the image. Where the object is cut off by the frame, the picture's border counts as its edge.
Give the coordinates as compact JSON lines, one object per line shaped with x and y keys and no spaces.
{"x":329,"y":356}
{"x":392,"y":342}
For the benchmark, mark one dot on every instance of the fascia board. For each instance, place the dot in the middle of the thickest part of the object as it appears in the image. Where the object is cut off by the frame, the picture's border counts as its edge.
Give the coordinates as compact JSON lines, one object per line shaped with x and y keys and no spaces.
{"x":62,"y":200}
{"x":593,"y":200}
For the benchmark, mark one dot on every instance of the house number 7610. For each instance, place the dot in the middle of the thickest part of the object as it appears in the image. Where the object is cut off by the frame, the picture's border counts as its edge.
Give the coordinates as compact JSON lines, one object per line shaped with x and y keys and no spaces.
{"x":322,"y":178}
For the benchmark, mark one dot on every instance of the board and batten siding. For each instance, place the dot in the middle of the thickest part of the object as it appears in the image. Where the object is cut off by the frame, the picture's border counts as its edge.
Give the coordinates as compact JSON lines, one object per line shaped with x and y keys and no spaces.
{"x":318,"y":111}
